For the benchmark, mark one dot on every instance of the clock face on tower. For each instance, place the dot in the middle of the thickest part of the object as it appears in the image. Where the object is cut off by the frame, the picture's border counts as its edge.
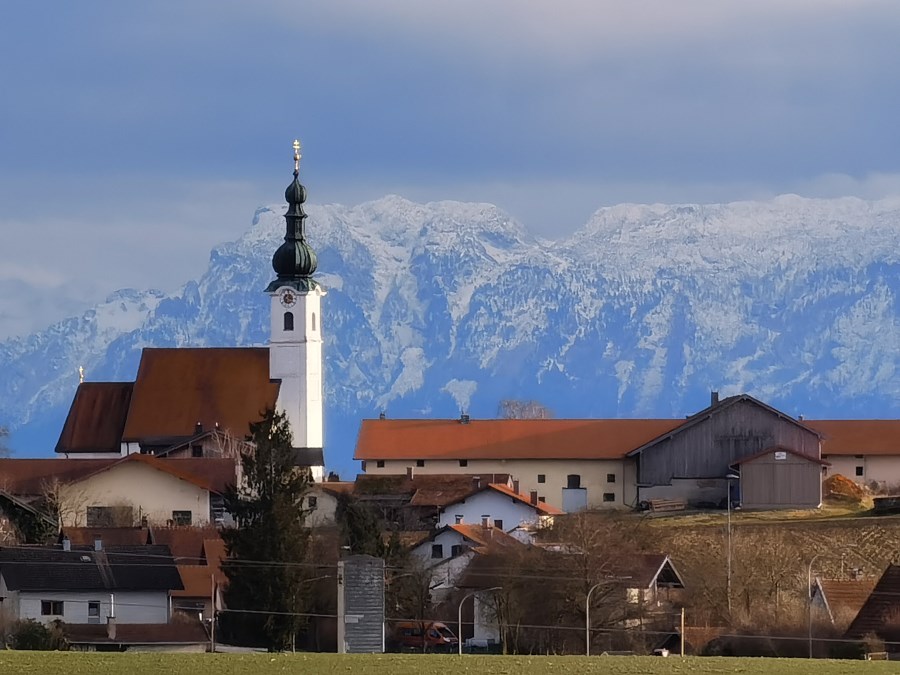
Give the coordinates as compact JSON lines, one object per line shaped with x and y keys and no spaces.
{"x":288,"y":298}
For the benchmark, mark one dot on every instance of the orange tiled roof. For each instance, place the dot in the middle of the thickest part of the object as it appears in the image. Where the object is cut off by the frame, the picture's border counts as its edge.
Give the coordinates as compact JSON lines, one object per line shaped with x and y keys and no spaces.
{"x":197,"y":581}
{"x":204,"y":472}
{"x":111,"y":536}
{"x":485,"y":537}
{"x":541,"y":507}
{"x":96,"y":418}
{"x":858,"y":437}
{"x":845,"y":597}
{"x":186,"y":542}
{"x":507,"y":439}
{"x":176,"y":388}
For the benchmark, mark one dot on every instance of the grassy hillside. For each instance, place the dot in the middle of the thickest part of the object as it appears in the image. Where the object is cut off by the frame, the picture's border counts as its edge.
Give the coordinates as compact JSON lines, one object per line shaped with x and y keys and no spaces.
{"x":61,"y":663}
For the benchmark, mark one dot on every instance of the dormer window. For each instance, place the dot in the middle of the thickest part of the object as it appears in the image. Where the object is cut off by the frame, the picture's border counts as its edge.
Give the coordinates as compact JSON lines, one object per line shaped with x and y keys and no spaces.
{"x":289,"y":321}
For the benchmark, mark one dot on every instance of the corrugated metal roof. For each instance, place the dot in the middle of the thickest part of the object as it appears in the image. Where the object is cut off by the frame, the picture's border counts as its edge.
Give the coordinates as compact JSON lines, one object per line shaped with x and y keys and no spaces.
{"x":177,"y":388}
{"x":858,"y":437}
{"x":96,"y":418}
{"x":506,"y":439}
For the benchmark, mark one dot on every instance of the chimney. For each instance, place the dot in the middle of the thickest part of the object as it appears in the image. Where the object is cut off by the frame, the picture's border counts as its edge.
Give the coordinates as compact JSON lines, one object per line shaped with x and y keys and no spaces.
{"x":382,"y":415}
{"x":98,"y":543}
{"x":476,"y":482}
{"x":799,"y":418}
{"x":410,"y":473}
{"x":533,"y":497}
{"x":67,"y":544}
{"x":713,"y":398}
{"x":198,"y":428}
{"x":516,"y":486}
{"x":486,"y":522}
{"x":464,"y":418}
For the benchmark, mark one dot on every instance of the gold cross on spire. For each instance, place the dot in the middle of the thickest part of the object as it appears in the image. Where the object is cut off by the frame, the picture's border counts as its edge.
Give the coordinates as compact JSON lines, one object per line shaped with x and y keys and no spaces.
{"x":297,"y":156}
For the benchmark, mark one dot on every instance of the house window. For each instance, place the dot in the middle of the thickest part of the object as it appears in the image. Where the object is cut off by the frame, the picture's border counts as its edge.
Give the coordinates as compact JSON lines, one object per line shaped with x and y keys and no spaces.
{"x":610,"y":478}
{"x":312,"y":503}
{"x":859,"y":471}
{"x":94,"y":611}
{"x":609,"y":496}
{"x":456,"y":550}
{"x":542,"y":478}
{"x":459,"y":519}
{"x":420,"y":462}
{"x":541,"y":498}
{"x":181,"y":517}
{"x":314,"y":322}
{"x":110,"y":516}
{"x":498,"y":524}
{"x":379,"y":463}
{"x":573,"y":481}
{"x":437,"y":551}
{"x":51,"y":608}
{"x":289,"y":321}
{"x":464,"y":462}
{"x":196,"y":451}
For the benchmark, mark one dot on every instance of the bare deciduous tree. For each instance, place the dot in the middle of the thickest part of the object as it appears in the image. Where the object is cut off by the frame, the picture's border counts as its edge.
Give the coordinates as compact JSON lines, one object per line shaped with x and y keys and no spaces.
{"x":512,"y":409}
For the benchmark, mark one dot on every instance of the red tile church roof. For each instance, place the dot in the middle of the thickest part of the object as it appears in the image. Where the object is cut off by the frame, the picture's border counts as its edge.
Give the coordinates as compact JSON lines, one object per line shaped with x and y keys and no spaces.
{"x":177,"y":388}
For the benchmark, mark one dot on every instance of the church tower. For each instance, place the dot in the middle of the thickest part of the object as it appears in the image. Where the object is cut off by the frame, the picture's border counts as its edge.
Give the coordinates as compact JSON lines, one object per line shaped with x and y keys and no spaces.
{"x":295,"y":343}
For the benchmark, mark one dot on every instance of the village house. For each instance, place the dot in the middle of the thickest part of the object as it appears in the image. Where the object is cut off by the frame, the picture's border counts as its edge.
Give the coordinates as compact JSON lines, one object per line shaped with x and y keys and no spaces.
{"x":125,"y":491}
{"x":865,"y":451}
{"x":79,"y":584}
{"x":838,"y":601}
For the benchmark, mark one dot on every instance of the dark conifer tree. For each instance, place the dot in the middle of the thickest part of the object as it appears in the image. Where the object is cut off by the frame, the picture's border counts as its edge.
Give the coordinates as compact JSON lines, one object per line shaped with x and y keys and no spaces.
{"x":267,"y":547}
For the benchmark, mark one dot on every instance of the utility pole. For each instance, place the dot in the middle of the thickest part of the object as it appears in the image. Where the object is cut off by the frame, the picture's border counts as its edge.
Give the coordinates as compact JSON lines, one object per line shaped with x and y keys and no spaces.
{"x":212,"y":614}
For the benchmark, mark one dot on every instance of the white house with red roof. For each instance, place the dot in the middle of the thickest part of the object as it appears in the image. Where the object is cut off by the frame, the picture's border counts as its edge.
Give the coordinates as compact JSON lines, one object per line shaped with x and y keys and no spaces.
{"x":500,"y":506}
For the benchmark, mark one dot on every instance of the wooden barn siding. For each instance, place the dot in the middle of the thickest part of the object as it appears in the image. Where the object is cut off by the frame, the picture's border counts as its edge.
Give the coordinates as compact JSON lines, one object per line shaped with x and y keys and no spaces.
{"x":708,"y":448}
{"x":790,"y":482}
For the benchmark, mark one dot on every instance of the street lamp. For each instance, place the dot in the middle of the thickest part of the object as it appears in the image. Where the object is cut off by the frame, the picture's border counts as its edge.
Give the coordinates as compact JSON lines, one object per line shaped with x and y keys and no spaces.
{"x":730,"y":477}
{"x":459,"y":612}
{"x":587,"y":617}
{"x":809,"y":594}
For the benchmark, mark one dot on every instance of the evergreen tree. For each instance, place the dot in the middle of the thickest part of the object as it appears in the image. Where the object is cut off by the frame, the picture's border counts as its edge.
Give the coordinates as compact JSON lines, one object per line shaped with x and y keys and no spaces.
{"x":267,"y":548}
{"x":360,"y":529}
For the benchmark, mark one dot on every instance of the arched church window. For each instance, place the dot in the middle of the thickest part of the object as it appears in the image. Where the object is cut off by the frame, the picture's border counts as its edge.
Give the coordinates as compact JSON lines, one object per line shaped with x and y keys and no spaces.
{"x":314,"y":321}
{"x":289,"y":321}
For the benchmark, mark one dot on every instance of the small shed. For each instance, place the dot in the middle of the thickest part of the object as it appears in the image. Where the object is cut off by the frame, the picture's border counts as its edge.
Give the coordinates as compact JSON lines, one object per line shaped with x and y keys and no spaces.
{"x":781,"y":478}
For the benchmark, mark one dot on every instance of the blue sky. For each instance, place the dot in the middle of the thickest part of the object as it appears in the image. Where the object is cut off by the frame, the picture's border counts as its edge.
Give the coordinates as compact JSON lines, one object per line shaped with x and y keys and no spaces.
{"x":151,"y":131}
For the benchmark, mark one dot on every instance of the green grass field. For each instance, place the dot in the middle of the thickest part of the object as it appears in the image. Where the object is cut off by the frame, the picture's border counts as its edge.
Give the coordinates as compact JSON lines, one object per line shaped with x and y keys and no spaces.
{"x":71,"y":663}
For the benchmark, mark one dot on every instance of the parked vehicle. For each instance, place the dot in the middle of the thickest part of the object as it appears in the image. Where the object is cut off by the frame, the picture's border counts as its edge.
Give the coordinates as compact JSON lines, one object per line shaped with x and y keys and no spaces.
{"x":422,"y":636}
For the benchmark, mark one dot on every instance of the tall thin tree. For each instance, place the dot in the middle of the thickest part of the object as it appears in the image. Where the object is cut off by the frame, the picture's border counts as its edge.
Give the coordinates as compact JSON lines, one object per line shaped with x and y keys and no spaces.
{"x":267,"y":596}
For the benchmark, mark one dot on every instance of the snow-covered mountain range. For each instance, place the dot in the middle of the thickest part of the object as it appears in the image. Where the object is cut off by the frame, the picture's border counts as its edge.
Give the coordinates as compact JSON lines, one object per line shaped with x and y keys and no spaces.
{"x":433,"y":308}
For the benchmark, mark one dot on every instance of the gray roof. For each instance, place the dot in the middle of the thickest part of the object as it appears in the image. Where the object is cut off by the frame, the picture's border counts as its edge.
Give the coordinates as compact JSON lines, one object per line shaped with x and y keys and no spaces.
{"x":116,"y":568}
